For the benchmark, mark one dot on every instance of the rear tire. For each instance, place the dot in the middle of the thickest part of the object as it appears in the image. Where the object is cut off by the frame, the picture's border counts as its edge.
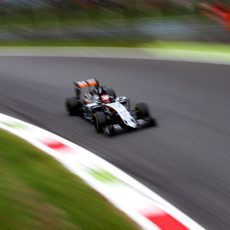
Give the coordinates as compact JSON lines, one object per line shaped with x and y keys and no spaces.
{"x":72,"y":106}
{"x":99,"y":121}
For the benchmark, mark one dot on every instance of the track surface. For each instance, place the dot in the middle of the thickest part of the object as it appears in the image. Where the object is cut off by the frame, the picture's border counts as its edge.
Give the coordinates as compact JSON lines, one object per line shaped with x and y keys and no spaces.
{"x":186,"y":159}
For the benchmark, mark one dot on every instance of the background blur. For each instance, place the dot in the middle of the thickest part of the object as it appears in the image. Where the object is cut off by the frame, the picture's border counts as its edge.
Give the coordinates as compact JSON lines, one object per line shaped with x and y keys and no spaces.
{"x":186,"y":159}
{"x":139,"y":20}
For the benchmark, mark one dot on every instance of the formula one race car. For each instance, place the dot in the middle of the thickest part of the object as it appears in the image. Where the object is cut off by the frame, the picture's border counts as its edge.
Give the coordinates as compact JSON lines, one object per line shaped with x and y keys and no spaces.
{"x":105,"y":110}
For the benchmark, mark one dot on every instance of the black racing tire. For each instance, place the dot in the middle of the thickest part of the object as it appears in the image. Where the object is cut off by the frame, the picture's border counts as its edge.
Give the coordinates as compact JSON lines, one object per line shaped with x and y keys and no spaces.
{"x":99,"y":121}
{"x":111,"y":130}
{"x":72,"y":106}
{"x":151,"y":122}
{"x":110,"y":92}
{"x":142,"y":110}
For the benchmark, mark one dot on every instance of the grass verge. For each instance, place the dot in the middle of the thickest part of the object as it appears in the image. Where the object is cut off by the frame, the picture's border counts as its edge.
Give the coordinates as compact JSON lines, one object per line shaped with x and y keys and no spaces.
{"x":74,"y":43}
{"x":129,"y":43}
{"x":192,"y":46}
{"x":36,"y":192}
{"x":47,"y":18}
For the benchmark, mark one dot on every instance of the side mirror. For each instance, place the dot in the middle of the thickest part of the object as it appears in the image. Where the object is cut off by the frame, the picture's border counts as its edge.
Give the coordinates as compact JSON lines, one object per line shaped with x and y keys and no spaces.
{"x":123,"y":100}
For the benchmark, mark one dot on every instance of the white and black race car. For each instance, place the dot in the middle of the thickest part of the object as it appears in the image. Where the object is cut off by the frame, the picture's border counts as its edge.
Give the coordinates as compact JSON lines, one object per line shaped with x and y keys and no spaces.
{"x":105,"y":110}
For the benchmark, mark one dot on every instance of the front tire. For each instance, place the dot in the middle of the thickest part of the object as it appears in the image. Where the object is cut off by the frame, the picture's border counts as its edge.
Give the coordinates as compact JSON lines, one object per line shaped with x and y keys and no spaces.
{"x":111,"y":130}
{"x":99,"y":121}
{"x":151,"y":122}
{"x":142,"y":110}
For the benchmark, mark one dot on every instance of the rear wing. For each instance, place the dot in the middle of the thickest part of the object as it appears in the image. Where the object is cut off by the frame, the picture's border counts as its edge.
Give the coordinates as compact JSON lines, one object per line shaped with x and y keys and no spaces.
{"x":86,"y":84}
{"x":79,"y":85}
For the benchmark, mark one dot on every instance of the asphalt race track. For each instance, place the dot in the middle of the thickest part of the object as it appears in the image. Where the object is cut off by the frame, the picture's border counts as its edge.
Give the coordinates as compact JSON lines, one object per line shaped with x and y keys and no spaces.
{"x":186,"y":159}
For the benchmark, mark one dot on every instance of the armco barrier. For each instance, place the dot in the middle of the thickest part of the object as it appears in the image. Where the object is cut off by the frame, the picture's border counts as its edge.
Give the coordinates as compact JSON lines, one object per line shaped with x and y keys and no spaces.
{"x":141,"y":204}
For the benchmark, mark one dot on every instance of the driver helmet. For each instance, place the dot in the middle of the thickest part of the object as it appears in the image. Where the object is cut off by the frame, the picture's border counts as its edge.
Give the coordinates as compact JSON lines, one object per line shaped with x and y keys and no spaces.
{"x":105,"y":98}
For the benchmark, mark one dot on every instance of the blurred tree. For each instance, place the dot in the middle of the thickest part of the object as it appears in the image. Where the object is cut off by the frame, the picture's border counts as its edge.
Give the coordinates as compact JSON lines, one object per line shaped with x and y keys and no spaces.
{"x":3,"y":13}
{"x":58,"y":8}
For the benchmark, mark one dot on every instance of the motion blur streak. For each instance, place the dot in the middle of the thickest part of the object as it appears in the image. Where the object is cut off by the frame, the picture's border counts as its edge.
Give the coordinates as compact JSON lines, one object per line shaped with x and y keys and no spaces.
{"x":66,"y":21}
{"x":185,"y":159}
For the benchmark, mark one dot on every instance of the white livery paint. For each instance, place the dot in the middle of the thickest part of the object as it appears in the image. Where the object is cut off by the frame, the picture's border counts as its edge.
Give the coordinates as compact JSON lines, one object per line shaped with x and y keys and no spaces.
{"x":123,"y":113}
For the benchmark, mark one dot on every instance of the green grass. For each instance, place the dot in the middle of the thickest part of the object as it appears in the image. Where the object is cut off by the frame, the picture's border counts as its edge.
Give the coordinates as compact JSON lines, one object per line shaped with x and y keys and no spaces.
{"x":194,"y":46}
{"x":74,"y":43}
{"x":47,"y":18}
{"x":130,"y":43}
{"x":36,"y":192}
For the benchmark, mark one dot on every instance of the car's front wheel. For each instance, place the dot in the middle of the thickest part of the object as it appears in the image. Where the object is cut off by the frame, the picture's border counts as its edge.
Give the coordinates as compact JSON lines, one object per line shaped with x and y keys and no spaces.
{"x":111,"y":130}
{"x":141,"y":110}
{"x":99,"y":119}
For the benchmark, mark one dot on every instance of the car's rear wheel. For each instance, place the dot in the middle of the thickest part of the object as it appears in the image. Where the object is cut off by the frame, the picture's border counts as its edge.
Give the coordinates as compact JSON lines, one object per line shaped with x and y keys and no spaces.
{"x":99,"y":121}
{"x":72,"y":106}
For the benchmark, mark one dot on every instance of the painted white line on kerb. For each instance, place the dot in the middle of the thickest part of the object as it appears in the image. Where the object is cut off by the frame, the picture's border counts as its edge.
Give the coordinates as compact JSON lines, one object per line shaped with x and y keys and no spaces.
{"x":141,"y":204}
{"x":212,"y":57}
